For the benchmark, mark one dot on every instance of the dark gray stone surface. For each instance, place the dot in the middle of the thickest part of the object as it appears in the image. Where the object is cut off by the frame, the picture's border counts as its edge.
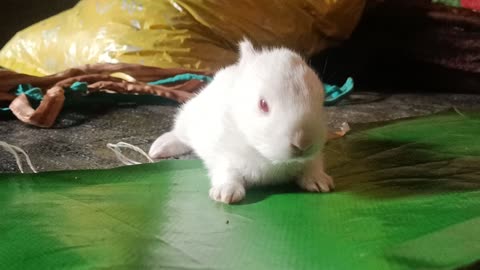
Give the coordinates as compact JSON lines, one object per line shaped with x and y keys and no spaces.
{"x":79,"y":139}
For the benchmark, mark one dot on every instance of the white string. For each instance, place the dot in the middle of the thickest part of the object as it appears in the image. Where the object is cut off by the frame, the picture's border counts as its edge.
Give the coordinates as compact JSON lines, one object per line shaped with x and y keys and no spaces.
{"x":459,"y":112}
{"x":116,"y":148}
{"x":14,"y":150}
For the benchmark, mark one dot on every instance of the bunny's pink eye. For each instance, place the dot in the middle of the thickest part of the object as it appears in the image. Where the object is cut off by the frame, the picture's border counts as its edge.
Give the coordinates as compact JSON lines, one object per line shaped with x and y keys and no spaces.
{"x":264,"y":105}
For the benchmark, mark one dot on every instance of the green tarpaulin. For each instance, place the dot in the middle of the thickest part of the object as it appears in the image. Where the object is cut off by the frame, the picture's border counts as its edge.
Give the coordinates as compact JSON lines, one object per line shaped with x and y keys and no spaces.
{"x":408,"y":197}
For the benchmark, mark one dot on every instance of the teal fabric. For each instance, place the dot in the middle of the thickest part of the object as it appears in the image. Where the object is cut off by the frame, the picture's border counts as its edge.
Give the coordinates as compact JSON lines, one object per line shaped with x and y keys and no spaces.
{"x":333,"y":93}
{"x":79,"y":87}
{"x":34,"y":94}
{"x":182,"y":77}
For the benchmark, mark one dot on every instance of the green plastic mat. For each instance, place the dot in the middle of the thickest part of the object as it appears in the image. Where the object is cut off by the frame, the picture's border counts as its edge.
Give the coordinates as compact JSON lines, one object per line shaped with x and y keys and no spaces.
{"x":408,"y":197}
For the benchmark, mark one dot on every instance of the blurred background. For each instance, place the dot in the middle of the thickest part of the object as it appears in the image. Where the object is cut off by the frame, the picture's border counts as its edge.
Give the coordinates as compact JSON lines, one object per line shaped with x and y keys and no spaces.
{"x":19,"y":14}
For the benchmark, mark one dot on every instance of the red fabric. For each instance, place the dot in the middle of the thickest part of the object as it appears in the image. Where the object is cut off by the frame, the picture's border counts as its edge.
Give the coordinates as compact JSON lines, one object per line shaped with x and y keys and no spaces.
{"x":471,"y":4}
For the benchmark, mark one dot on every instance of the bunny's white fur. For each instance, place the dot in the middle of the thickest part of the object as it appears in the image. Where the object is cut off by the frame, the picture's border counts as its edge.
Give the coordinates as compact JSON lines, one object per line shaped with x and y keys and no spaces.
{"x":240,"y":144}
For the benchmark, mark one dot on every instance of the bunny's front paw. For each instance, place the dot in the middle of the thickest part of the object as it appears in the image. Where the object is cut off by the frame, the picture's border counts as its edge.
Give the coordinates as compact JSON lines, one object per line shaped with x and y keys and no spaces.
{"x":168,"y":145}
{"x":227,"y":192}
{"x":318,"y":182}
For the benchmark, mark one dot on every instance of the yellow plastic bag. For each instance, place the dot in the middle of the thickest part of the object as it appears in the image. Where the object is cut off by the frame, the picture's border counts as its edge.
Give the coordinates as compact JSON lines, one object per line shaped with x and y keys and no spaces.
{"x":192,"y":34}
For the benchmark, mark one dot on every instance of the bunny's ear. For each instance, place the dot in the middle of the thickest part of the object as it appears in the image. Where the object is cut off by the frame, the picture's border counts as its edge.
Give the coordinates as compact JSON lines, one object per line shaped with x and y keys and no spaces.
{"x":246,"y":49}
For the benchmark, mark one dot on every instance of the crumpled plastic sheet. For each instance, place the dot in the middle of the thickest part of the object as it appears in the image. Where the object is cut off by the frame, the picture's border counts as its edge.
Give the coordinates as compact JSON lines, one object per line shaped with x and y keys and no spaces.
{"x":408,"y":197}
{"x":191,"y":34}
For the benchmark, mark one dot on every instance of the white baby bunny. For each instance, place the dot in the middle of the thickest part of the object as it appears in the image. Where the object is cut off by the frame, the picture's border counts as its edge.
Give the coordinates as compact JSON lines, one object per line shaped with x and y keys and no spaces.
{"x":260,"y":121}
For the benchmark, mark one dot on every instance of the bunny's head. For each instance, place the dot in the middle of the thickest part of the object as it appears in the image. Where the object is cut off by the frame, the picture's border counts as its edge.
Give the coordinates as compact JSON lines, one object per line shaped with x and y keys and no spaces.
{"x":277,"y":103}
